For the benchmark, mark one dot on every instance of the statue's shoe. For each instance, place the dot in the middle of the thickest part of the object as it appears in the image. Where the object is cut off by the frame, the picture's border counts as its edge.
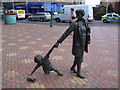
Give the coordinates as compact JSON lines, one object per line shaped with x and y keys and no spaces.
{"x":31,"y":79}
{"x":73,"y":70}
{"x":81,"y":76}
{"x":60,"y":74}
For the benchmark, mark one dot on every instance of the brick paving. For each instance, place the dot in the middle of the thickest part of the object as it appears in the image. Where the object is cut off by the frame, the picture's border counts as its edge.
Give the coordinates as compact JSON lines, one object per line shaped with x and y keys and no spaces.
{"x":21,"y":42}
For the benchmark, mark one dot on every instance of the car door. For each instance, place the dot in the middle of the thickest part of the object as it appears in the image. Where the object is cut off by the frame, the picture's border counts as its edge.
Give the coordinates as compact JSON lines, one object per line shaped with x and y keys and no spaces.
{"x":42,"y":15}
{"x":115,"y":17}
{"x":37,"y":17}
{"x":109,"y":17}
{"x":63,"y":15}
{"x":34,"y":17}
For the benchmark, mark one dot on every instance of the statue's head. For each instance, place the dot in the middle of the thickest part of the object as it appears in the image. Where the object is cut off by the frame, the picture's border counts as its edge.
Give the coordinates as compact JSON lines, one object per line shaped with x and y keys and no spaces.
{"x":38,"y":59}
{"x":80,"y":13}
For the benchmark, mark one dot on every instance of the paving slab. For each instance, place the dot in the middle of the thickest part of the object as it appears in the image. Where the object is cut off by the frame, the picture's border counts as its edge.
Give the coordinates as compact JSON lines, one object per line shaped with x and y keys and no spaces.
{"x":22,"y":41}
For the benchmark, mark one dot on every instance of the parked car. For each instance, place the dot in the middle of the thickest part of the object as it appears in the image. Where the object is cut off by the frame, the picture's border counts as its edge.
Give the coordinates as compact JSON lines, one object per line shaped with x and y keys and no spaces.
{"x":41,"y":16}
{"x":53,"y":13}
{"x":110,"y":17}
{"x":27,"y":15}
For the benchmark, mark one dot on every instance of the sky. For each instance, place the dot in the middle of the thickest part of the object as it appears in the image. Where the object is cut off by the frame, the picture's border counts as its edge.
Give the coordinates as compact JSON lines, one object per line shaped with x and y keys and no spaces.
{"x":92,"y":2}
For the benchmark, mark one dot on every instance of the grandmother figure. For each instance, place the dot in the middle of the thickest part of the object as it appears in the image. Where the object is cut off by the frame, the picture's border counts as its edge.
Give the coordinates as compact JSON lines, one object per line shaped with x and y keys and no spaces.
{"x":81,"y":39}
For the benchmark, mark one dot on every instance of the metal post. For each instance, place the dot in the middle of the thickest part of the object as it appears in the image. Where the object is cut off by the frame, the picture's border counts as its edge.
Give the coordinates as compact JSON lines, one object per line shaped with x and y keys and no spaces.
{"x":107,"y":7}
{"x":13,"y":3}
{"x":51,"y":15}
{"x":26,"y":6}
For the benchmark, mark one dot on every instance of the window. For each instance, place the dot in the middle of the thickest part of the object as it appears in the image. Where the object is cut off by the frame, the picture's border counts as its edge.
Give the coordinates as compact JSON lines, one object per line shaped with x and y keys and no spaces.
{"x":62,"y":11}
{"x":40,"y":14}
{"x":109,"y":15}
{"x":48,"y":13}
{"x":115,"y":15}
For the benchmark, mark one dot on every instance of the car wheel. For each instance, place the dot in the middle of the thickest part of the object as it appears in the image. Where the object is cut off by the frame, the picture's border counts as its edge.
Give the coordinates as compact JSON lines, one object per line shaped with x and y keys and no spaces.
{"x":41,"y":20}
{"x":57,"y":20}
{"x":105,"y":21}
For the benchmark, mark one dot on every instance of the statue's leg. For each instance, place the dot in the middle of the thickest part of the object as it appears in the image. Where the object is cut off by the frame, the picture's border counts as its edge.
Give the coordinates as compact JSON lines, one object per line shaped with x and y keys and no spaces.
{"x":54,"y":69}
{"x":79,"y":62}
{"x":73,"y":66}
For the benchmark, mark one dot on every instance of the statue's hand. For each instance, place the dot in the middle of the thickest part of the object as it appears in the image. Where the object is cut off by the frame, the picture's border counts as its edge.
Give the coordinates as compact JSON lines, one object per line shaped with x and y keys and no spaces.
{"x":56,"y":45}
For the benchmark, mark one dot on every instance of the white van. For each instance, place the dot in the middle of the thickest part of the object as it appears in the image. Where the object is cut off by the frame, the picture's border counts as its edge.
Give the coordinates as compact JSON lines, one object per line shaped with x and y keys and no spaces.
{"x":21,"y":14}
{"x":64,"y":14}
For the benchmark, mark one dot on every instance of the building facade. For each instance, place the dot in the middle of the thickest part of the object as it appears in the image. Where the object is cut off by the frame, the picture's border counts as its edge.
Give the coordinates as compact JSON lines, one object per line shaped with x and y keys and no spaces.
{"x":33,"y":7}
{"x":115,"y":5}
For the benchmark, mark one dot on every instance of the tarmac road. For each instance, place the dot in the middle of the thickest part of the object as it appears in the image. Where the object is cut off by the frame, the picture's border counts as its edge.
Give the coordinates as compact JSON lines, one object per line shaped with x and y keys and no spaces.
{"x":92,"y":24}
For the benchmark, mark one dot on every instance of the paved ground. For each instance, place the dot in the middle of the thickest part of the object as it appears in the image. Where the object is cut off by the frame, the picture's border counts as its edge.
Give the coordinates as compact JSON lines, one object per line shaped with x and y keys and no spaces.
{"x":22,"y":41}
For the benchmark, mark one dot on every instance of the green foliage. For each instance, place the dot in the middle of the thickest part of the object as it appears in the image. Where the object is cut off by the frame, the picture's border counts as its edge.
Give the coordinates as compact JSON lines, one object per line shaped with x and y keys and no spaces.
{"x":97,"y":16}
{"x":111,"y":9}
{"x":100,"y":13}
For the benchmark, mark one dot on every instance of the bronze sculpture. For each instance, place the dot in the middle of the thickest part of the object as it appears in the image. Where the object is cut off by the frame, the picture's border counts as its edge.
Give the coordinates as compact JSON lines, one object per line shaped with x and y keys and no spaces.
{"x":81,"y":39}
{"x":45,"y":63}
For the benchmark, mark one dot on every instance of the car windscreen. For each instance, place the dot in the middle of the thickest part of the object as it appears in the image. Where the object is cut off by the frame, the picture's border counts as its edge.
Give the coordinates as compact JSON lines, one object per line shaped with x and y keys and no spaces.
{"x":48,"y":13}
{"x":115,"y":15}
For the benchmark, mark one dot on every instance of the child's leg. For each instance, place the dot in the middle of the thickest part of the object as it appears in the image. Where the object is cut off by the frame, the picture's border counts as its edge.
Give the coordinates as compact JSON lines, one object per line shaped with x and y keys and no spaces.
{"x":54,"y":69}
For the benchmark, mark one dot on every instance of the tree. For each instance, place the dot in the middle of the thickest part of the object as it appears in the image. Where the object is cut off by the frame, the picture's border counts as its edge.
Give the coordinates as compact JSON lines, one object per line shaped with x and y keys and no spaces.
{"x":102,"y":10}
{"x":111,"y":9}
{"x":98,"y":15}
